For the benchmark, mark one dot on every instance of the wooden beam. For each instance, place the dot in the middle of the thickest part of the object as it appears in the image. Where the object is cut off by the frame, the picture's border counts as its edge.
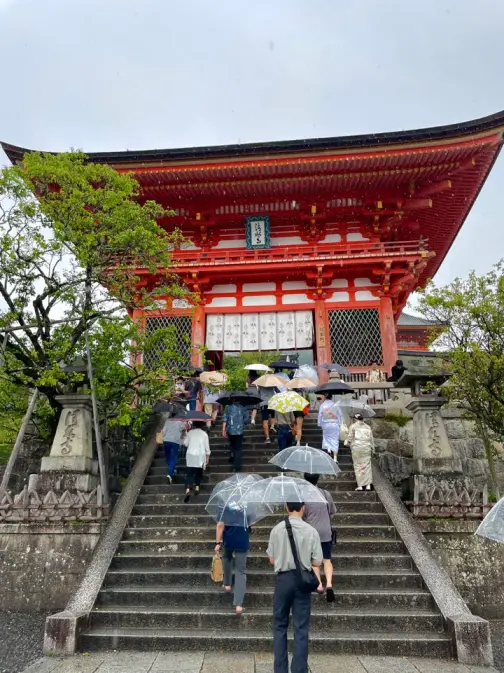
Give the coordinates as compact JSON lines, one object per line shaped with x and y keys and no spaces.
{"x":434,"y":188}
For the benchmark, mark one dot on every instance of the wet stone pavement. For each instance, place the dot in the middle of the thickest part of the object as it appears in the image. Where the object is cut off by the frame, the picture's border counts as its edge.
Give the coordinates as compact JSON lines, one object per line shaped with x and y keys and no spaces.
{"x":194,"y":662}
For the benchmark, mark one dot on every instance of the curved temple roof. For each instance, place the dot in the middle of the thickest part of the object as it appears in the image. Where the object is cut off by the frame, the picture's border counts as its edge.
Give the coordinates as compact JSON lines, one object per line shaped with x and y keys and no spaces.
{"x":377,"y":140}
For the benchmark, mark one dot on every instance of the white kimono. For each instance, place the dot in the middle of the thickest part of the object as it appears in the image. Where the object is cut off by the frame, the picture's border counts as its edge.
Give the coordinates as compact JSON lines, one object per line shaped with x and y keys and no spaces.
{"x":329,"y":419}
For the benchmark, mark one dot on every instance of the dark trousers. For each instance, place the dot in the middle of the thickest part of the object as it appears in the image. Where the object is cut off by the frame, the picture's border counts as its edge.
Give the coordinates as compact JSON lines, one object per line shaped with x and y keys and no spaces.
{"x":288,"y":597}
{"x":193,"y":476}
{"x":171,"y":450}
{"x":236,"y":448}
{"x":192,"y":404}
{"x":284,"y":436}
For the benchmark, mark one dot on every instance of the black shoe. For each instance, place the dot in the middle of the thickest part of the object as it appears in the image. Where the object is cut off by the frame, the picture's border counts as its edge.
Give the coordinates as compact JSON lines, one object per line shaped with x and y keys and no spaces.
{"x":231,"y":458}
{"x":330,"y":597}
{"x":187,"y":498}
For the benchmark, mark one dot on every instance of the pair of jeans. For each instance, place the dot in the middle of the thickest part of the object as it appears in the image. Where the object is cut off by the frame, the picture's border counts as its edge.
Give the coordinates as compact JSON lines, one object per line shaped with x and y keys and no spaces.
{"x":192,"y":404}
{"x":194,"y":476}
{"x":284,"y":436}
{"x":236,"y":448}
{"x":288,"y":597}
{"x":171,"y":450}
{"x":240,"y":573}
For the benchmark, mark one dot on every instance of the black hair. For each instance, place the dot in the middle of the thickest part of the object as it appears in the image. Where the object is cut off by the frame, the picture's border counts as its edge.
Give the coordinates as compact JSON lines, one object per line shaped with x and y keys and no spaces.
{"x":312,"y":478}
{"x":399,"y":363}
{"x":199,"y":424}
{"x":294,"y":506}
{"x":328,"y":395}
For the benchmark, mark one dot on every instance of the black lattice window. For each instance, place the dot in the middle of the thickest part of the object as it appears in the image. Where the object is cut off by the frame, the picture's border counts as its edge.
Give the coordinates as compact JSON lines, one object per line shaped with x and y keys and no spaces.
{"x":181,"y":328}
{"x":355,"y":337}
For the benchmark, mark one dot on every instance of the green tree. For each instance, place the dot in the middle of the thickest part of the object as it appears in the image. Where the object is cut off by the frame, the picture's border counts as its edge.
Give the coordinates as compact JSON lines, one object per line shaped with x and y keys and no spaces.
{"x":234,"y":366}
{"x":76,"y":244}
{"x":471,"y":317}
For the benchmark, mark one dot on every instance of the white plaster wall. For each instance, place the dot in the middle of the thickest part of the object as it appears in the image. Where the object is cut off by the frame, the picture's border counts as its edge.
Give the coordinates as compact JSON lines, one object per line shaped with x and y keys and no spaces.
{"x":222,"y":301}
{"x":260,"y":300}
{"x":339,"y":282}
{"x":340,"y":296}
{"x":295,"y":285}
{"x":356,"y":236}
{"x":222,"y":289}
{"x":232,"y":243}
{"x":365,"y":295}
{"x":363,"y":282}
{"x":332,"y":238}
{"x":296,"y":299}
{"x":259,"y":287}
{"x":287,"y":240}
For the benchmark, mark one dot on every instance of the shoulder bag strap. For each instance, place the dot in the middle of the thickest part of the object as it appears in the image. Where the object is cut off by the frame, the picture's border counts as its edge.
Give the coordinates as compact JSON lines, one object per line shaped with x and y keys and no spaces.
{"x":292,"y":543}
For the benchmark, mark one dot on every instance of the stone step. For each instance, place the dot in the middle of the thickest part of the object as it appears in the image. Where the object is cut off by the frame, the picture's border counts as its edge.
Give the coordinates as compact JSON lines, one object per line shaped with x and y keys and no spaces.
{"x":191,"y":597}
{"x":261,"y":578}
{"x":210,"y":480}
{"x":254,"y":468}
{"x":175,"y":494}
{"x":322,"y":619}
{"x":187,"y":545}
{"x":185,"y":519}
{"x":259,"y":532}
{"x":331,"y":642}
{"x":165,"y":560}
{"x":160,"y":505}
{"x":250,"y":457}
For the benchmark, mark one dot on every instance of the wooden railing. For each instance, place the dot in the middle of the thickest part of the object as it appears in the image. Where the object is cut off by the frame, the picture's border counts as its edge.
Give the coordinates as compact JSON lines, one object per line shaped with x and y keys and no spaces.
{"x":321,"y":252}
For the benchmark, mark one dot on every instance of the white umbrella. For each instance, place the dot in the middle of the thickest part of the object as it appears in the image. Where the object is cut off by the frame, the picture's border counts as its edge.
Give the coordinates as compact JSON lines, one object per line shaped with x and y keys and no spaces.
{"x":281,"y":489}
{"x":258,"y":368}
{"x":305,"y":459}
{"x":492,"y":526}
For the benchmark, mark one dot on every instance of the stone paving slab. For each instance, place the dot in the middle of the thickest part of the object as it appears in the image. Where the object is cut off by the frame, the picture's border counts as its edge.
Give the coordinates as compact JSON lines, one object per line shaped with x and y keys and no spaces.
{"x":238,"y":662}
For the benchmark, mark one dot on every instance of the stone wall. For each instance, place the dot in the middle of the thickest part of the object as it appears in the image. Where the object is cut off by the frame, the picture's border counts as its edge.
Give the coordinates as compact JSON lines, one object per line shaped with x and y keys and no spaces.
{"x":394,"y":446}
{"x":42,"y":564}
{"x":475,"y":565}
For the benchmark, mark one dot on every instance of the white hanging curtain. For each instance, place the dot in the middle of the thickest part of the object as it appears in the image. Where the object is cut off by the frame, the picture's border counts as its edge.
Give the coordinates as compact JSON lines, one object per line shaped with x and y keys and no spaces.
{"x":285,"y":330}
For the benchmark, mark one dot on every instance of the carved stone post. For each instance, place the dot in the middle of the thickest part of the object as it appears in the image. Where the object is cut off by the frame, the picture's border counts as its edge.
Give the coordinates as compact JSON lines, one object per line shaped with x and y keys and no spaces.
{"x":70,"y":464}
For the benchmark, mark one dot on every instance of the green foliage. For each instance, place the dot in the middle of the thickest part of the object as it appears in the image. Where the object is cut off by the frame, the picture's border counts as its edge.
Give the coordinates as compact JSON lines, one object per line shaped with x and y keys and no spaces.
{"x":72,"y":261}
{"x":472,"y":313}
{"x":234,"y":366}
{"x":399,"y":419}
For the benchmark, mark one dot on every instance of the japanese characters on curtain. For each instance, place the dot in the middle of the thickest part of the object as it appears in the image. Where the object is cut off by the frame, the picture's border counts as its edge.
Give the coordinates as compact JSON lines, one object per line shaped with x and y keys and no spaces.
{"x":260,"y":331}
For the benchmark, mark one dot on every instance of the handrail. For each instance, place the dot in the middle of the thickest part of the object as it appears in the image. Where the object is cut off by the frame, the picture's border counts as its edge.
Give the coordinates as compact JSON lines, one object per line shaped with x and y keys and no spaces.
{"x":227,"y":255}
{"x":62,"y":629}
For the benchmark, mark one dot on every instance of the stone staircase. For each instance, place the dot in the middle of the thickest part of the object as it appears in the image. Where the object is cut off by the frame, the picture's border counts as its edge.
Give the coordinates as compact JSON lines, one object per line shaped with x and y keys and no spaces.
{"x":158,"y":593}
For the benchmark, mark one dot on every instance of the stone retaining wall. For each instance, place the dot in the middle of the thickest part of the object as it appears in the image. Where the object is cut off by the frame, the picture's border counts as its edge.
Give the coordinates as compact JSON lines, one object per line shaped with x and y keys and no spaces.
{"x":41,"y":565}
{"x":475,"y":565}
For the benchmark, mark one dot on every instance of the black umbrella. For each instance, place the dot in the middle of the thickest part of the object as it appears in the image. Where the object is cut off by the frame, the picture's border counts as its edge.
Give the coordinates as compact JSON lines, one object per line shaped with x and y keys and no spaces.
{"x":192,"y":416}
{"x":163,"y":407}
{"x":284,"y":364}
{"x":247,"y":399}
{"x":335,"y":388}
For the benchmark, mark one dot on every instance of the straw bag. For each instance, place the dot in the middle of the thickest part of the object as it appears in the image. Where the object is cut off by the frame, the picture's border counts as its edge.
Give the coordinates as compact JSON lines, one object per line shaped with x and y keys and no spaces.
{"x":159,"y":437}
{"x":217,"y":573}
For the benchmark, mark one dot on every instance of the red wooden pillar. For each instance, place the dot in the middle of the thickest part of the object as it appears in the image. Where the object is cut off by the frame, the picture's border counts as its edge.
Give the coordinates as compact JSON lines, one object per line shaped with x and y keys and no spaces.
{"x":198,"y":335}
{"x":388,"y":334}
{"x":322,"y":339}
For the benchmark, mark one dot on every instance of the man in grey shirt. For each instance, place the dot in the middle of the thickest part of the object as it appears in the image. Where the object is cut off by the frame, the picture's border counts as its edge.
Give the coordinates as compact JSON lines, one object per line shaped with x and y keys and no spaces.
{"x":318,"y":515}
{"x":287,"y":593}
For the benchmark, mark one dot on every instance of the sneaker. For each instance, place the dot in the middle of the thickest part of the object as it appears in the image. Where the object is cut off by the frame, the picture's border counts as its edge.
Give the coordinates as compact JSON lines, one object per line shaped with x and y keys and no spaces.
{"x":170,"y":480}
{"x":268,"y":441}
{"x":298,"y":443}
{"x":252,"y":422}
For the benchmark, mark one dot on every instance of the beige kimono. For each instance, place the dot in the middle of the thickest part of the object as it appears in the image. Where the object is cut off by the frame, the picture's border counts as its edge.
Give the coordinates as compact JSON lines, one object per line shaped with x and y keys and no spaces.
{"x":360,"y":438}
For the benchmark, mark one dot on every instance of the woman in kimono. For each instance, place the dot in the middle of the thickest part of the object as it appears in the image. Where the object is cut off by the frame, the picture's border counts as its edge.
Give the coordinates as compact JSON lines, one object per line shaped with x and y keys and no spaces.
{"x":329,"y":419}
{"x":361,"y":441}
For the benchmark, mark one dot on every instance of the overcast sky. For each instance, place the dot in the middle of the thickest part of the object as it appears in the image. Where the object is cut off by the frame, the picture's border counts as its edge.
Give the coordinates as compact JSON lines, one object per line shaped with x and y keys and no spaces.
{"x":143,"y":74}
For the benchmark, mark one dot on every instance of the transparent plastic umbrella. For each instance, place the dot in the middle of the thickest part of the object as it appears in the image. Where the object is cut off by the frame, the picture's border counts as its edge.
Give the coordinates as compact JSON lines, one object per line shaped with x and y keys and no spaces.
{"x":307,"y":459}
{"x":225,"y":506}
{"x":288,"y":401}
{"x":240,"y":479}
{"x":353,"y":407}
{"x":281,"y":489}
{"x":258,"y":368}
{"x":492,"y":526}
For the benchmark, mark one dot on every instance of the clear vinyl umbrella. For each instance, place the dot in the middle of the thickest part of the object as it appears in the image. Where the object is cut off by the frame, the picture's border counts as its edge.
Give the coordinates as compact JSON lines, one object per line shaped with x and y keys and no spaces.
{"x":492,"y":526}
{"x":353,"y":407}
{"x":305,"y":459}
{"x":225,"y":503}
{"x":281,"y":489}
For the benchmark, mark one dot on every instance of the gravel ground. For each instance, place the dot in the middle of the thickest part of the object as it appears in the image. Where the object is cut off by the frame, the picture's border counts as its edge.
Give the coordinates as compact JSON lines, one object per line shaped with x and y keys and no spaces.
{"x":20,"y":641}
{"x":498,"y":644}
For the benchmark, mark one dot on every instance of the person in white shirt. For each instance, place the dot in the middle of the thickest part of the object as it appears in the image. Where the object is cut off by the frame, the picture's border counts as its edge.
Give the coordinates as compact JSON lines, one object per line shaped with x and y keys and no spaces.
{"x":197,"y":457}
